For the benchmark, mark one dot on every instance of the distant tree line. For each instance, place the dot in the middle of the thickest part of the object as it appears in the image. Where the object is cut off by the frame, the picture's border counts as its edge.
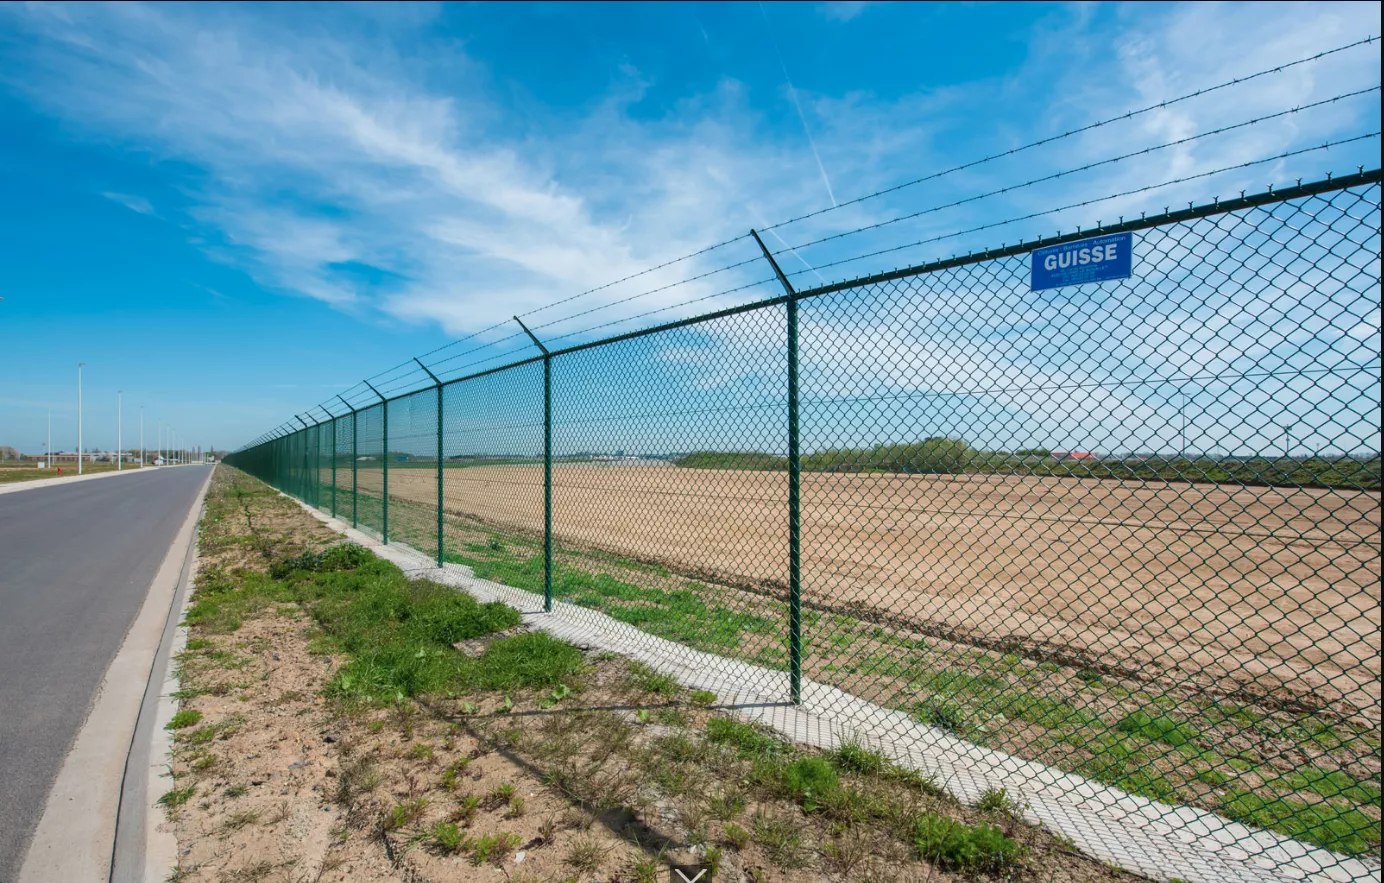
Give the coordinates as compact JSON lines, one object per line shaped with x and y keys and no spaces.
{"x":947,"y":456}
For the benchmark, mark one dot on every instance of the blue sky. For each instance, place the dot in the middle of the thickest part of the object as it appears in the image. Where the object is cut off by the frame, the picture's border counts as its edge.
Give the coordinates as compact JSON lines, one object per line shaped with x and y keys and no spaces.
{"x":236,"y":212}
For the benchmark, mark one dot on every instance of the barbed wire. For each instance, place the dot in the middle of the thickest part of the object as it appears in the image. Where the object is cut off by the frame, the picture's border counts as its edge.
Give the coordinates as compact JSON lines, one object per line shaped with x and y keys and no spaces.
{"x":1368,"y":40}
{"x":390,"y":379}
{"x":1078,"y":169}
{"x":1081,"y":204}
{"x":1086,"y":128}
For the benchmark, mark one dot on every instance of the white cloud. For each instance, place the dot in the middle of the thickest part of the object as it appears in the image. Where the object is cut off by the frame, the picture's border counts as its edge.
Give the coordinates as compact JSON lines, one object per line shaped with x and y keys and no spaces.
{"x":322,"y":152}
{"x":133,"y":203}
{"x":842,"y":10}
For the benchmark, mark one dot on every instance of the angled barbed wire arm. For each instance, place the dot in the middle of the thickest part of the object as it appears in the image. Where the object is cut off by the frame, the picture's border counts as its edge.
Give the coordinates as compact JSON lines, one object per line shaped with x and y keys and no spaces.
{"x":795,"y":538}
{"x":547,"y":467}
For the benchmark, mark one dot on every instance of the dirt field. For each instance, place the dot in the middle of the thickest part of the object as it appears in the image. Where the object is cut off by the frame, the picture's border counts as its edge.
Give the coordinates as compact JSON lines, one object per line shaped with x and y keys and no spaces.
{"x":1279,"y":589}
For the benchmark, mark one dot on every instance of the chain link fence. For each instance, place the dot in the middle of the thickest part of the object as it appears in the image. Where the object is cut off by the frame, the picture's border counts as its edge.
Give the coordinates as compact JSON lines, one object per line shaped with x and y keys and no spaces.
{"x":858,"y":485}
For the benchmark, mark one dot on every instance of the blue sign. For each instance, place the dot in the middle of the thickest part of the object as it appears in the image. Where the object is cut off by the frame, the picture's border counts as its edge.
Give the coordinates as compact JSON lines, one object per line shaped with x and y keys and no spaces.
{"x":1089,"y":260}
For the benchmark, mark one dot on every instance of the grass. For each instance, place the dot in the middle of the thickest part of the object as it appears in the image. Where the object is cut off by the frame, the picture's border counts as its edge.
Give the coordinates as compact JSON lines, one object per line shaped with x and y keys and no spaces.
{"x":683,"y":615}
{"x":953,"y":845}
{"x":13,"y":474}
{"x":1345,"y":828}
{"x":747,"y":739}
{"x":852,"y":758}
{"x":1154,"y":745}
{"x":183,"y":719}
{"x":1162,"y":746}
{"x":647,"y":680}
{"x":447,"y":836}
{"x":178,"y":796}
{"x":811,"y":781}
{"x":1130,"y":752}
{"x":1161,"y":728}
{"x":397,"y":632}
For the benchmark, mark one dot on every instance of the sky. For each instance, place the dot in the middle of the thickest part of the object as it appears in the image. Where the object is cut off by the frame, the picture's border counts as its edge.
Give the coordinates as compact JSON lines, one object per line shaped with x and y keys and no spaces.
{"x":234,"y":213}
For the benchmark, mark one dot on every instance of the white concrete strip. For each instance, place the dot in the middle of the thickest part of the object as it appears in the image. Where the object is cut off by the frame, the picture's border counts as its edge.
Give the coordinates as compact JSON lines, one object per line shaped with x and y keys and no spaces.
{"x":16,"y":486}
{"x":160,"y":843}
{"x":146,"y":849}
{"x":1152,"y":838}
{"x":74,"y":838}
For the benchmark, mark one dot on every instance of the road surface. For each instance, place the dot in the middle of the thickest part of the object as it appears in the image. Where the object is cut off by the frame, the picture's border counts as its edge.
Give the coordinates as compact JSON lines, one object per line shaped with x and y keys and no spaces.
{"x":76,"y":562}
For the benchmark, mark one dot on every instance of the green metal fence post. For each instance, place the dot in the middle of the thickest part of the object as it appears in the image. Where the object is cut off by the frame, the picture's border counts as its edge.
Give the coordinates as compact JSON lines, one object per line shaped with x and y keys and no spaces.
{"x":795,"y":601}
{"x":548,"y":483}
{"x":302,"y":478}
{"x":547,"y":468}
{"x":354,"y":458}
{"x":438,"y":384}
{"x":334,"y":458}
{"x":384,"y":519}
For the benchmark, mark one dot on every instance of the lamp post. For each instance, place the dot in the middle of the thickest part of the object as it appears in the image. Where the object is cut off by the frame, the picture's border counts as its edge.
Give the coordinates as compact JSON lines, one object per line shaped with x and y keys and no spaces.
{"x":79,"y":417}
{"x":119,"y":442}
{"x":141,"y":437}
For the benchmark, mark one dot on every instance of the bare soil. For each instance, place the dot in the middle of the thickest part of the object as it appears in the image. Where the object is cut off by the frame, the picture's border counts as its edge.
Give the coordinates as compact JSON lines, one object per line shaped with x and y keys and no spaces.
{"x":614,"y":782}
{"x":1274,"y":587}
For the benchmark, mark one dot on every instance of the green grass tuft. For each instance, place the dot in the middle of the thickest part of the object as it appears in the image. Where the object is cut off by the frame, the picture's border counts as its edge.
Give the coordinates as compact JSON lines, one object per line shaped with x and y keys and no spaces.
{"x":811,"y":781}
{"x":1343,"y":829}
{"x":178,"y":796}
{"x":955,"y":846}
{"x":748,"y":740}
{"x":1161,"y":729}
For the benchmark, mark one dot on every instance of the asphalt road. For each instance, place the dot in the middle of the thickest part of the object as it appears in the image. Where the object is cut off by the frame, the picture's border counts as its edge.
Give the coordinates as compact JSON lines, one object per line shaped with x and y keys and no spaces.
{"x":76,"y":562}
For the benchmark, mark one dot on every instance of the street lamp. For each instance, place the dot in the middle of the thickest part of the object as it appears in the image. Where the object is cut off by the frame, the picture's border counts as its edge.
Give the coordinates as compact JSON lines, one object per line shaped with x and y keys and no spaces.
{"x":141,"y":437}
{"x":79,"y":417}
{"x":119,"y":453}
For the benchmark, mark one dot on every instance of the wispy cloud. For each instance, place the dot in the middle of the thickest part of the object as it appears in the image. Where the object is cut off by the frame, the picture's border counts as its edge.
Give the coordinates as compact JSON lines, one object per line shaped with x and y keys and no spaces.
{"x":797,"y":105}
{"x":336,"y":169}
{"x":133,"y":203}
{"x":843,"y":10}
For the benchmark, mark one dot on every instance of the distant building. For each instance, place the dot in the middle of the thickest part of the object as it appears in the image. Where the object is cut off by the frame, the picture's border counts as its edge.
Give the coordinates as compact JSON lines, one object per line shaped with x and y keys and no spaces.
{"x":1073,"y":455}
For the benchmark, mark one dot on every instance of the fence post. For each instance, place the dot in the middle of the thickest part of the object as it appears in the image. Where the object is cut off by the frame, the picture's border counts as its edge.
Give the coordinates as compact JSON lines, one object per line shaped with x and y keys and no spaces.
{"x":438,"y":384}
{"x":318,"y":476}
{"x":334,"y":458}
{"x":547,"y":468}
{"x":302,"y":481}
{"x":384,"y":526}
{"x":354,"y":459}
{"x":795,"y":608}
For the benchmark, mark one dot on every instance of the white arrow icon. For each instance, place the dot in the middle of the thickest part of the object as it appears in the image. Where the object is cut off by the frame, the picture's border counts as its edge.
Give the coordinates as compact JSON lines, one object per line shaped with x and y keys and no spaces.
{"x":687,"y":879}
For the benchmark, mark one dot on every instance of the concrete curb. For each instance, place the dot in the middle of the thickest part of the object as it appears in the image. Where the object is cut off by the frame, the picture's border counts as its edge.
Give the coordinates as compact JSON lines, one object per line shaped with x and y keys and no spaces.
{"x":1142,"y":835}
{"x":75,"y":836}
{"x":145,"y":852}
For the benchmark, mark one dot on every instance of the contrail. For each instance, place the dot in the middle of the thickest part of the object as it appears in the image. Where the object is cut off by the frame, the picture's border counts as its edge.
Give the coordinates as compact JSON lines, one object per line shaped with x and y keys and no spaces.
{"x":792,"y":250}
{"x":793,"y":93}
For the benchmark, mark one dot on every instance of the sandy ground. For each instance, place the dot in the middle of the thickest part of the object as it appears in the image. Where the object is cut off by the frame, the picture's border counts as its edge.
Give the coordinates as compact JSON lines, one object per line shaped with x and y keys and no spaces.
{"x":285,"y":786}
{"x":1275,"y":587}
